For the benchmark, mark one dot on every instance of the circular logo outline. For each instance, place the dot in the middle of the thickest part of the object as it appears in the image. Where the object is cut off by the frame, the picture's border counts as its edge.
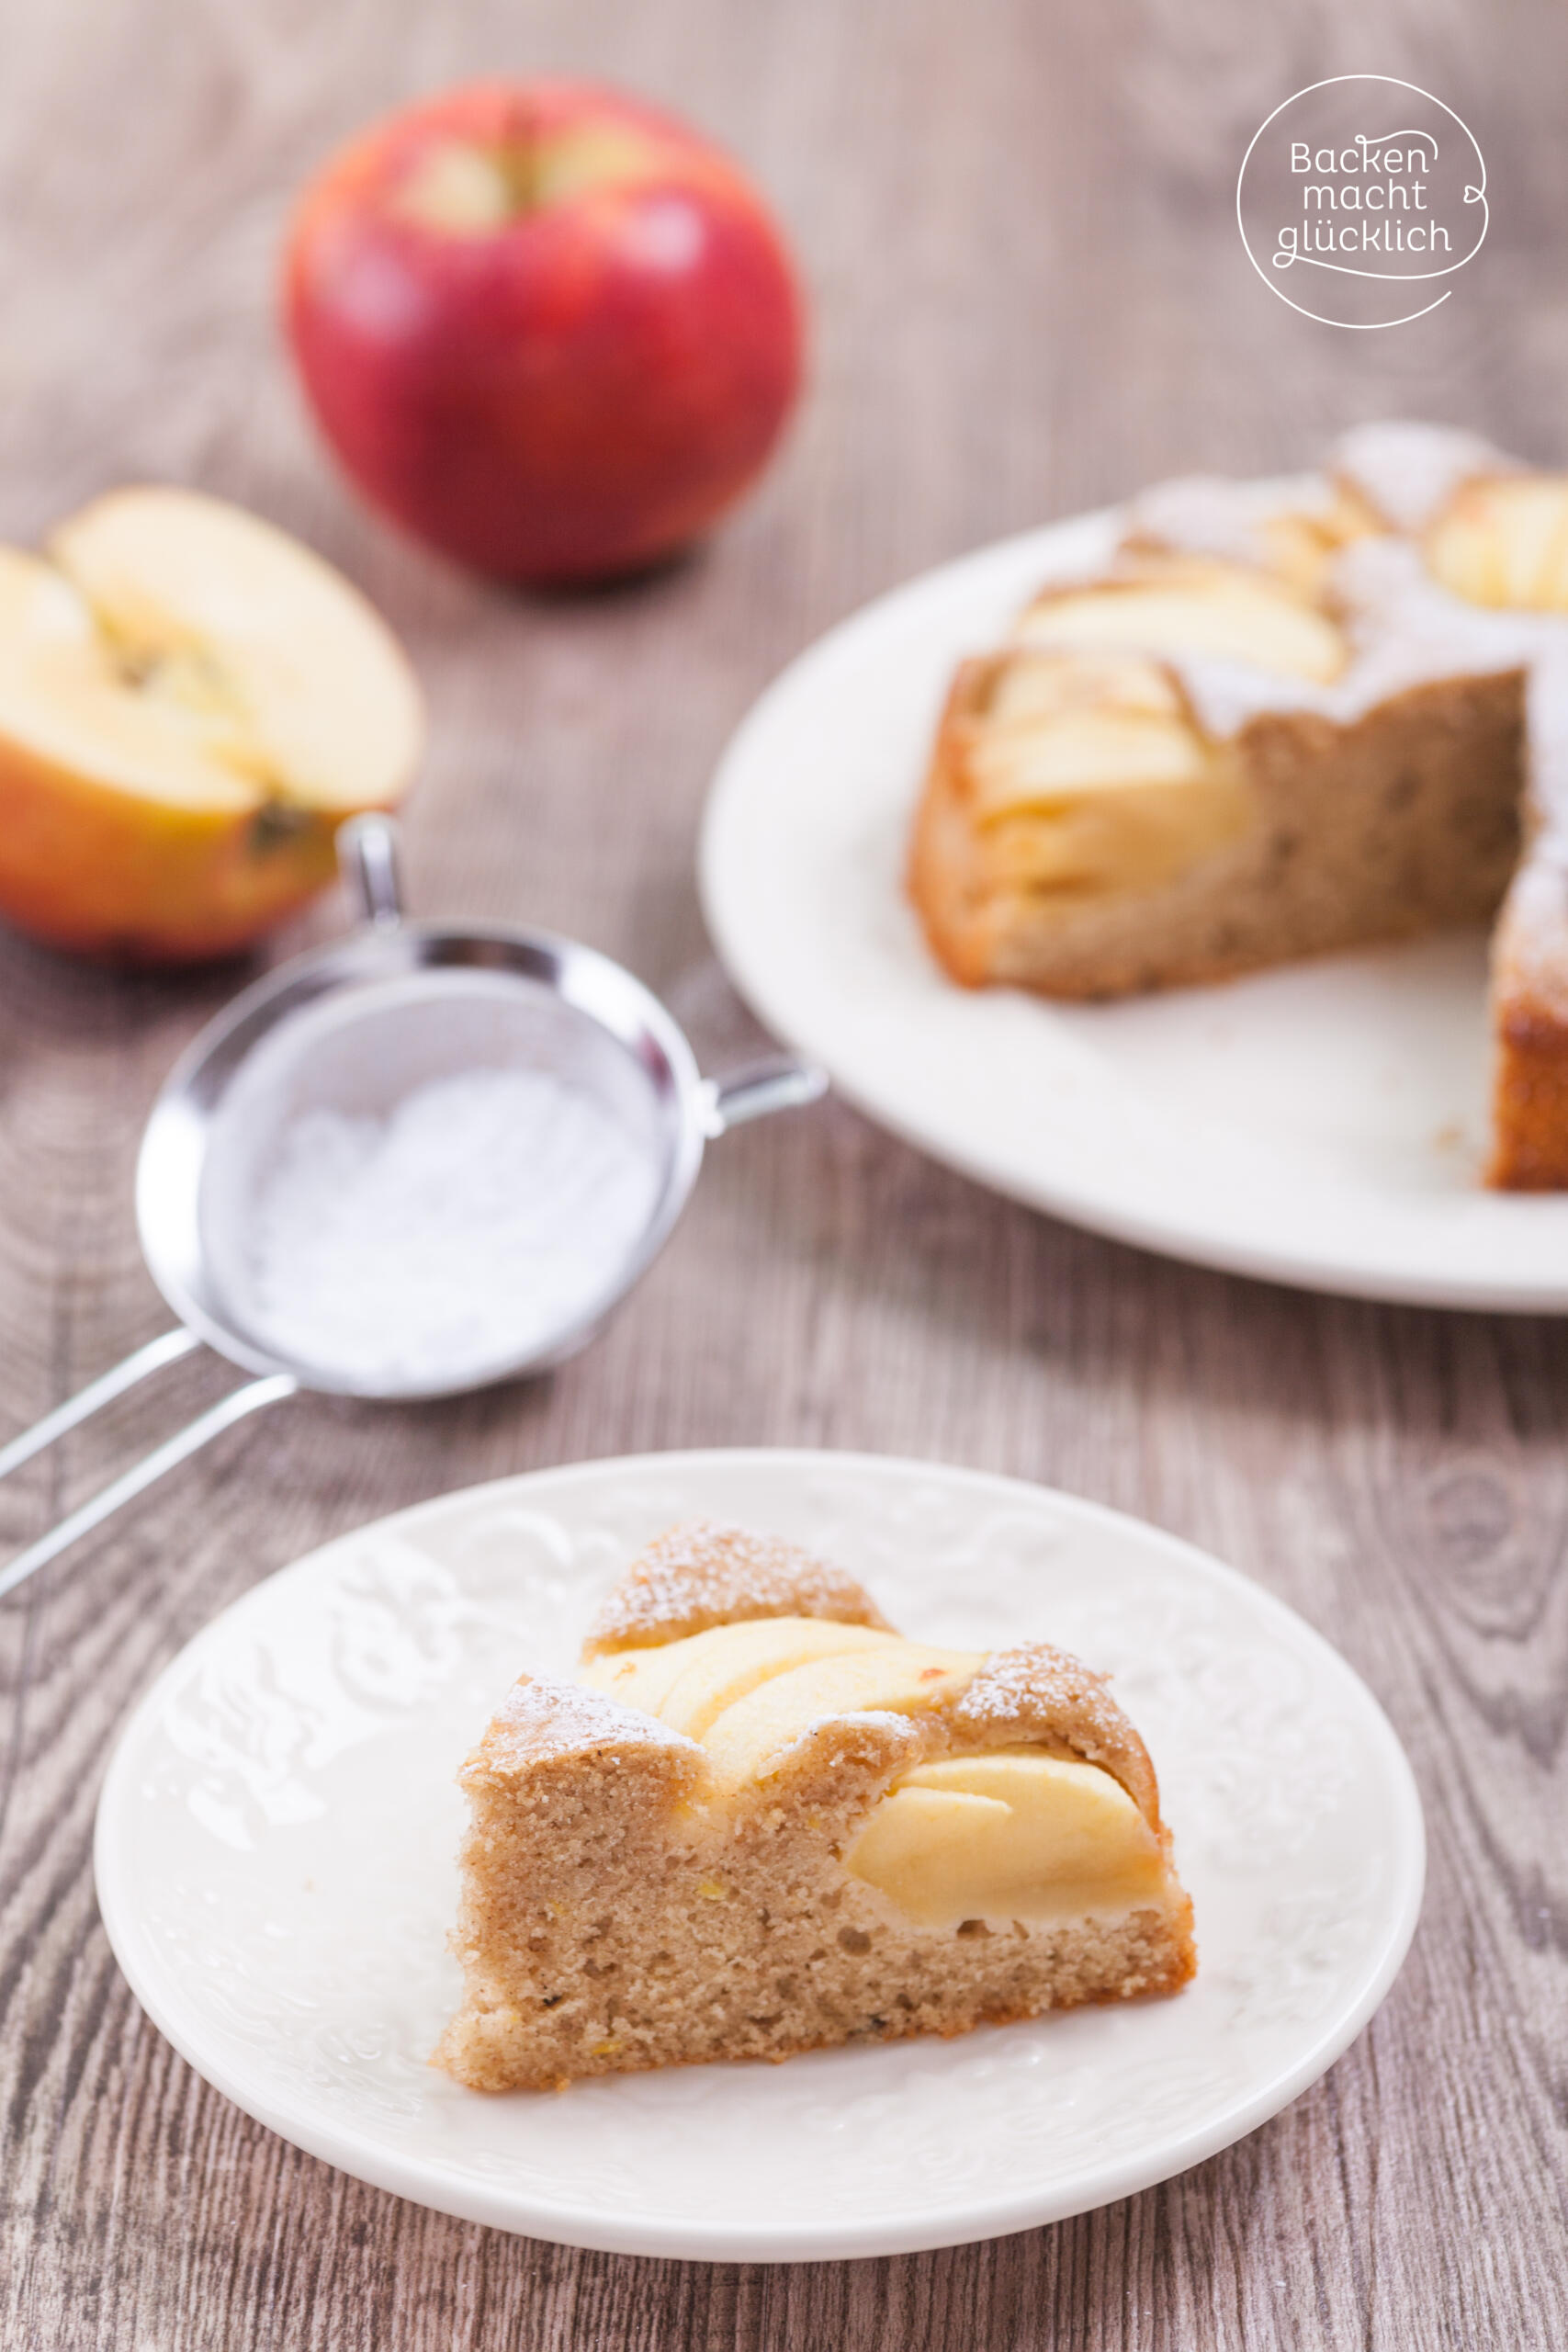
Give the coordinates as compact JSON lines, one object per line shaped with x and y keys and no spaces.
{"x":1368,"y":326}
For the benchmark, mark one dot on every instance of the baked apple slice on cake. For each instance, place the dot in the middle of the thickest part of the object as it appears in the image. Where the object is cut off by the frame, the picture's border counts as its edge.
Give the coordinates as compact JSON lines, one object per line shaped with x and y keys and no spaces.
{"x":1178,"y":604}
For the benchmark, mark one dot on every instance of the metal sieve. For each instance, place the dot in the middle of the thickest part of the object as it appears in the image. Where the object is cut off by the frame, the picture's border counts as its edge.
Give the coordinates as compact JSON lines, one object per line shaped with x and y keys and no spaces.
{"x":354,"y":1027}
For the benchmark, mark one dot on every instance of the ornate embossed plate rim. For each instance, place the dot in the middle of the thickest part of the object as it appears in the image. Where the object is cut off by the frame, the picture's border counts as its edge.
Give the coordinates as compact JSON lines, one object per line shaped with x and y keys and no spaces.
{"x":935,"y":2222}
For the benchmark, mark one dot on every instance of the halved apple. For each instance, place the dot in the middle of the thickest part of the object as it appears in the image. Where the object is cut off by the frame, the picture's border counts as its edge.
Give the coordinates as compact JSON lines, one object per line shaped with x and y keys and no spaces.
{"x":1504,"y":542}
{"x":1172,"y":605}
{"x":190,"y":704}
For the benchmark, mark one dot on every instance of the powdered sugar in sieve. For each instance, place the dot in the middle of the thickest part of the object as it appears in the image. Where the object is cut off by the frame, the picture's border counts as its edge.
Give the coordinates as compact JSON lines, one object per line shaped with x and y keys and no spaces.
{"x":434,"y":1183}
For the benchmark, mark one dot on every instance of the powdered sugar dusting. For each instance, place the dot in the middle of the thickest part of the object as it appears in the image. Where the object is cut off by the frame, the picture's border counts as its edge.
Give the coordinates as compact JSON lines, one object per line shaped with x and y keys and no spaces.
{"x":540,"y":1716}
{"x":470,"y":1228}
{"x":708,"y":1573}
{"x":1410,"y":472}
{"x":1404,"y":631}
{"x":1036,"y":1691}
{"x":1538,"y":903}
{"x":904,"y":1738}
{"x":1016,"y":1683}
{"x":1211,"y":514}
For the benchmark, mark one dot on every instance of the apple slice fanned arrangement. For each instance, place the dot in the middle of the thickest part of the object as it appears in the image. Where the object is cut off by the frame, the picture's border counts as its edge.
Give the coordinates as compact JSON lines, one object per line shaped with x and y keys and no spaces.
{"x":190,"y":704}
{"x":1278,"y":723}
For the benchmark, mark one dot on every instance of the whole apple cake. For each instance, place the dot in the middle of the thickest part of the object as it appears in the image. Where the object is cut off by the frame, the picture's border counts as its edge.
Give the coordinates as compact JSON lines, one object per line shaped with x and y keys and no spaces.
{"x":759,"y":1820}
{"x":1276,"y":724}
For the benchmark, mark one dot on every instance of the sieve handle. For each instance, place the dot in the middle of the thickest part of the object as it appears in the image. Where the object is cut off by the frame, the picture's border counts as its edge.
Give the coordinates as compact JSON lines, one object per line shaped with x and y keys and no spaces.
{"x":102,"y":1391}
{"x":368,"y":861}
{"x":141,"y":1475}
{"x":757,"y":1089}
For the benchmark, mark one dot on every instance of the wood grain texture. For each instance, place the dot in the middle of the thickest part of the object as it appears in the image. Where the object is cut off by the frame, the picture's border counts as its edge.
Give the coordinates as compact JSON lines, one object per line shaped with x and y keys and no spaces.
{"x":1016,"y":220}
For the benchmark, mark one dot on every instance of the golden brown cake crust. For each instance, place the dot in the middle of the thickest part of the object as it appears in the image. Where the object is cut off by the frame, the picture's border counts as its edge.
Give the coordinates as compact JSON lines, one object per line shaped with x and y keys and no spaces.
{"x":947,"y":878}
{"x":1529,"y":1019}
{"x":1530,"y":1104}
{"x":1046,"y":1696}
{"x":709,"y":1573}
{"x":542,"y":1720}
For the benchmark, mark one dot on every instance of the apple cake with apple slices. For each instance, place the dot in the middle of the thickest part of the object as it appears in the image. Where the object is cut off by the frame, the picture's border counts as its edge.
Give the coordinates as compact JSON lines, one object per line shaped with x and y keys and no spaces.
{"x":1276,"y":724}
{"x":759,"y":1820}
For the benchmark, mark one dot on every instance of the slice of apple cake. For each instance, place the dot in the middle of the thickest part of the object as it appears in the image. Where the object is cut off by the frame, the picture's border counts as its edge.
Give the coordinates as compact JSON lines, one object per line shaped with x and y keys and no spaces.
{"x":759,"y":1820}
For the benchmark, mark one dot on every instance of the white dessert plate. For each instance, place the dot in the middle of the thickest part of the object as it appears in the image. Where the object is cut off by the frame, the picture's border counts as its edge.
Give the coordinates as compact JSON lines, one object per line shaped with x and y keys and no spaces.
{"x":1321,"y":1124}
{"x":276,"y":1868}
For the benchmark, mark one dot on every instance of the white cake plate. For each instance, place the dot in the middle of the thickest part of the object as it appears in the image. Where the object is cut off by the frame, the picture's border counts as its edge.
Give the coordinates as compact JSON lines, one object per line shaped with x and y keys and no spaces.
{"x":276,"y":1868}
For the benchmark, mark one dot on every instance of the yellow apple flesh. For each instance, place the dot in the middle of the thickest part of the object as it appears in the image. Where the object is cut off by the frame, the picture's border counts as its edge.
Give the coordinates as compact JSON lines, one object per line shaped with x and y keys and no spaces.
{"x":690,"y":1683}
{"x":1015,"y":1834}
{"x":190,"y":704}
{"x":1191,"y":604}
{"x":1505,"y":542}
{"x":1088,"y":774}
{"x":747,"y":1690}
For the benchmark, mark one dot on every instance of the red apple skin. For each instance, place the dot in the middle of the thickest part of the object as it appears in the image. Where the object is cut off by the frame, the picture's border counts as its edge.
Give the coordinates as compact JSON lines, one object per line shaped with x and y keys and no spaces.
{"x":574,"y":393}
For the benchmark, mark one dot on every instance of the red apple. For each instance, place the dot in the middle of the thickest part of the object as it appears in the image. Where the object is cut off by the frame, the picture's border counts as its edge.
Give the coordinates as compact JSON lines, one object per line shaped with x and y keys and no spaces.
{"x":546,"y":328}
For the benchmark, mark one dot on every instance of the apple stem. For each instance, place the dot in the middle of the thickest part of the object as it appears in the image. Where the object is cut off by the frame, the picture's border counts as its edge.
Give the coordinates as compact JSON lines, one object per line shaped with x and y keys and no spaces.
{"x":521,"y":155}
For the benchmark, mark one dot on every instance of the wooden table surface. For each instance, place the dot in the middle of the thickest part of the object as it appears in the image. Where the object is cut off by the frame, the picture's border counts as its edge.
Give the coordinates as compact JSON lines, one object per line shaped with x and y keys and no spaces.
{"x":1016,"y":220}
